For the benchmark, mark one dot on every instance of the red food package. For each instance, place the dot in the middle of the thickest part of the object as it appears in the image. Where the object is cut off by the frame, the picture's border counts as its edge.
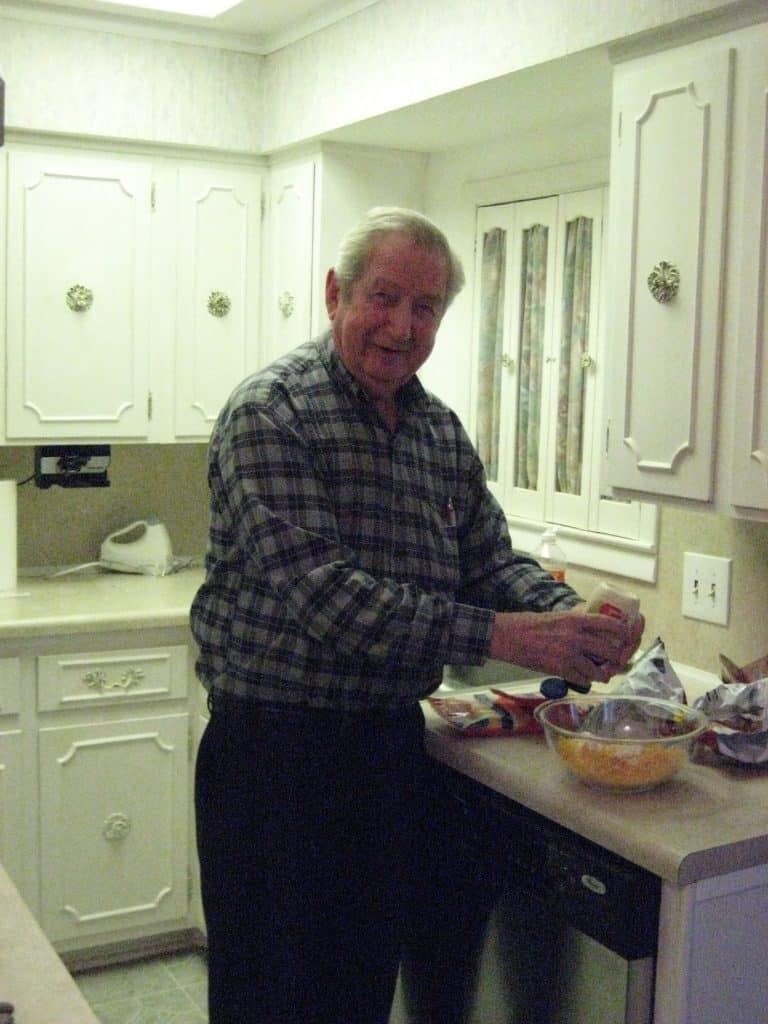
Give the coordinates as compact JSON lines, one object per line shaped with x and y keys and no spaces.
{"x":490,"y":714}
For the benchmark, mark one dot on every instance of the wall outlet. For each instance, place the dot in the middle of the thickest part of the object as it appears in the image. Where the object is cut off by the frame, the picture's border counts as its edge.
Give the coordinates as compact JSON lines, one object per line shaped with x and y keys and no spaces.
{"x":72,"y":465}
{"x":706,"y":587}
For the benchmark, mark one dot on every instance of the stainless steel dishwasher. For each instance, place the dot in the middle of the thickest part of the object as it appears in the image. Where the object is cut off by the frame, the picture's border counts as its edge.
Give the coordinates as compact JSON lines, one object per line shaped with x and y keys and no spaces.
{"x":517,"y":920}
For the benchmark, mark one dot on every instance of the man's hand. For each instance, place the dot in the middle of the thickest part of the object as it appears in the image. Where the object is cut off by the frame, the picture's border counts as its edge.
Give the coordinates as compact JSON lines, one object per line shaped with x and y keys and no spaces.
{"x":577,"y":646}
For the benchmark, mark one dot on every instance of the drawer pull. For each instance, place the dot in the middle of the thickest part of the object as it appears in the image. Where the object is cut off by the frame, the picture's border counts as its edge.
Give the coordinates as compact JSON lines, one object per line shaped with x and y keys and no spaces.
{"x":116,"y":827}
{"x":97,"y":680}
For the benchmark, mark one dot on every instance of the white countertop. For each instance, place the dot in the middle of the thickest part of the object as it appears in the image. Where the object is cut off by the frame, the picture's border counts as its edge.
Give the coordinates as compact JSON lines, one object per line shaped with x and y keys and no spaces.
{"x":32,"y":976}
{"x":96,"y":602}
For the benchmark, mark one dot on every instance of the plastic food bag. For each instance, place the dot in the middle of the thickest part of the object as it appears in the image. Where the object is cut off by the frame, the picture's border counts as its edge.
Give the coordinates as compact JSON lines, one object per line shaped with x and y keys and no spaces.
{"x":490,"y":714}
{"x":732,"y":673}
{"x":652,"y":675}
{"x":739,"y":716}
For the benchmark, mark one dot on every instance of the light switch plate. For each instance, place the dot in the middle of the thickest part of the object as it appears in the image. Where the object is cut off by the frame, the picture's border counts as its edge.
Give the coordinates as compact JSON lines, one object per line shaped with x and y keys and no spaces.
{"x":706,"y":587}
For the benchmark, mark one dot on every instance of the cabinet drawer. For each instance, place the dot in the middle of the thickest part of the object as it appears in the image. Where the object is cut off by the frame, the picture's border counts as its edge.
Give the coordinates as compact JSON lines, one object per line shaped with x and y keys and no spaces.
{"x":108,"y":677}
{"x":10,"y":686}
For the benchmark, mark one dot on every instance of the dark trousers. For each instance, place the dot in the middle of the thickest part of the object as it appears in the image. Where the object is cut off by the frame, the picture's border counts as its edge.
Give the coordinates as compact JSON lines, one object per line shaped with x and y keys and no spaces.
{"x":305,"y":826}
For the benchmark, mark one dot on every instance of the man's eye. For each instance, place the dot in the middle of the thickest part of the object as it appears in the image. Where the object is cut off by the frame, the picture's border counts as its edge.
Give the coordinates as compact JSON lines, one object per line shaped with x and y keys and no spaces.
{"x":426,"y":309}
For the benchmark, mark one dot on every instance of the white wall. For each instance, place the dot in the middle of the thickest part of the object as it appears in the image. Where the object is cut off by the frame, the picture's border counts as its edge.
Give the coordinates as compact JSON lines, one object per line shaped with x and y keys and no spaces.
{"x":91,"y":83}
{"x":398,"y":52}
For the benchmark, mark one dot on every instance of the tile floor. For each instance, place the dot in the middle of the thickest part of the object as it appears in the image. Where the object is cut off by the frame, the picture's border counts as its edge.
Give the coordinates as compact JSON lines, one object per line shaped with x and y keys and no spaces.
{"x":164,"y":990}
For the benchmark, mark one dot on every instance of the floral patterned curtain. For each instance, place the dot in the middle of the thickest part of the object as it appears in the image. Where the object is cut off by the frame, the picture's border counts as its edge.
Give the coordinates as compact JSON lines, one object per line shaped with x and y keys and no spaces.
{"x":532,"y":322}
{"x":574,"y":344}
{"x":490,"y":346}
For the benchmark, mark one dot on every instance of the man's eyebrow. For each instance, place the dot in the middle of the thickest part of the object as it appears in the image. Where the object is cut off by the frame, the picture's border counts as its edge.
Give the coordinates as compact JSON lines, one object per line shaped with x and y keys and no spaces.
{"x":385,"y":282}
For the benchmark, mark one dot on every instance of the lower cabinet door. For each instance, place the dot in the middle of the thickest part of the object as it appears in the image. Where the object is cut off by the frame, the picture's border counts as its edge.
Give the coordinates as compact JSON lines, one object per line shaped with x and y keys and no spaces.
{"x":114,"y":836}
{"x":12,"y":853}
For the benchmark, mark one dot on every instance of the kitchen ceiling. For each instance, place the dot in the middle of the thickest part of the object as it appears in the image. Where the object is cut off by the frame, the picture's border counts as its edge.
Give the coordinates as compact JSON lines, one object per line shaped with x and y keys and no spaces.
{"x":265,"y":25}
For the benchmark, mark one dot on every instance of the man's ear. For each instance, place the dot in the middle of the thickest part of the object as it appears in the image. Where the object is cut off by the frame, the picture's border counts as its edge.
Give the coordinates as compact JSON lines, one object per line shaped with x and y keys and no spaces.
{"x":332,"y":292}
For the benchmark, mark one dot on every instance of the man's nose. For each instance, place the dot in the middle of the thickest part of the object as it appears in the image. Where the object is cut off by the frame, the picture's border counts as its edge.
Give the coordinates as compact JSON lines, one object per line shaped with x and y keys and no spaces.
{"x":401,"y":320}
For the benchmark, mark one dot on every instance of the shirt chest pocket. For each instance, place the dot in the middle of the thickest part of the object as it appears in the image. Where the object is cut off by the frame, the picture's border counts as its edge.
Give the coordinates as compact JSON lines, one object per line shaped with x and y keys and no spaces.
{"x":425,"y":546}
{"x":394,"y":517}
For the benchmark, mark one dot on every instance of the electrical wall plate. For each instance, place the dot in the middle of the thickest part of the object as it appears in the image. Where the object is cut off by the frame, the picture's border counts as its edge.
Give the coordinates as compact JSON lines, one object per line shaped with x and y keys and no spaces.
{"x":706,"y":587}
{"x":72,"y":465}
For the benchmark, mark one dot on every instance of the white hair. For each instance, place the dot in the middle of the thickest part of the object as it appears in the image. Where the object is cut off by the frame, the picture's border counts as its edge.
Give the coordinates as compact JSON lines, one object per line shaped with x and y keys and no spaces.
{"x":355,"y":248}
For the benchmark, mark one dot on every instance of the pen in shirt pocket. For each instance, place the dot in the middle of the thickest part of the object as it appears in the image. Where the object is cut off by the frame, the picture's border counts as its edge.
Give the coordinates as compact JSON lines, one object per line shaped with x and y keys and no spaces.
{"x":449,"y":513}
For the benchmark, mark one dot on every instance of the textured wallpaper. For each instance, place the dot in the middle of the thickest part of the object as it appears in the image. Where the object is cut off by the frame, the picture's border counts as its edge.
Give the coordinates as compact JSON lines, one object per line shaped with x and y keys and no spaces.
{"x":65,"y":526}
{"x":61,"y":79}
{"x":396,"y":53}
{"x":387,"y":56}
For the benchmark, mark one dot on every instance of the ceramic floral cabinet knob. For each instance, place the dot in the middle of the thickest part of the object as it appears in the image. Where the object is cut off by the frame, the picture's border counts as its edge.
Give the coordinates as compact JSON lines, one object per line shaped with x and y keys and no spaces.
{"x":79,"y":298}
{"x":219,"y":304}
{"x":664,"y":281}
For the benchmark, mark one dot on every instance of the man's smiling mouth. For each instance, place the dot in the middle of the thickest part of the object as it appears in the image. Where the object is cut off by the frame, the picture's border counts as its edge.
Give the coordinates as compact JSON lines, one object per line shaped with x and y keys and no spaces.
{"x":392,"y":349}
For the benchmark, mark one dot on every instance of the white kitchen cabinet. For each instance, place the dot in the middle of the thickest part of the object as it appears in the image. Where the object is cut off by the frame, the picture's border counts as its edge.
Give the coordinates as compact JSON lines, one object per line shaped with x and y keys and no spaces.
{"x":12,"y":792}
{"x":114,"y":746}
{"x":711,"y":964}
{"x":314,"y":199}
{"x":113,"y":813}
{"x":749,"y":480}
{"x":78,"y":315}
{"x":133,"y":293}
{"x":669,"y":174}
{"x":217,"y":307}
{"x":539,"y":372}
{"x":288,"y":304}
{"x":97,"y":739}
{"x":687,"y":416}
{"x":522,"y":272}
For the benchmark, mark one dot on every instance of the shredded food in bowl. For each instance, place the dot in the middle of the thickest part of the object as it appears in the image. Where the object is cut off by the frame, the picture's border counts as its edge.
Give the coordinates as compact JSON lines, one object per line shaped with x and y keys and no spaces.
{"x":620,"y":765}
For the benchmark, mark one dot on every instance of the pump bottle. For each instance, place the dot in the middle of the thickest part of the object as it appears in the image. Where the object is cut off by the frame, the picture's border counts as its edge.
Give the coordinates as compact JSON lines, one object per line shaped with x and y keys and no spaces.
{"x":550,"y":555}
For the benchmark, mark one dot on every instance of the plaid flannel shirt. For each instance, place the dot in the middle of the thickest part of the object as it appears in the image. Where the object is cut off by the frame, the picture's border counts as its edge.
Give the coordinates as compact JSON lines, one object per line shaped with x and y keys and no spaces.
{"x":347,"y":564}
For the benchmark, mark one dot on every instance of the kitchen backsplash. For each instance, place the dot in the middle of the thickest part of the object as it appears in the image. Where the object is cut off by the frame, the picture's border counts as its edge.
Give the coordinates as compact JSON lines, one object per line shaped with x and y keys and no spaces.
{"x":60,"y":526}
{"x":65,"y":527}
{"x":691,"y":641}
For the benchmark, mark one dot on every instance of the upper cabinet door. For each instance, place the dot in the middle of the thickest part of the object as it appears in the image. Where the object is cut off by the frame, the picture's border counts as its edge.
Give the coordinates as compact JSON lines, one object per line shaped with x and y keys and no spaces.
{"x":669,"y":173}
{"x":531,"y":329}
{"x":749,"y":481}
{"x":78,"y":296}
{"x":535,"y":339}
{"x":217,"y":330}
{"x":288,"y":312}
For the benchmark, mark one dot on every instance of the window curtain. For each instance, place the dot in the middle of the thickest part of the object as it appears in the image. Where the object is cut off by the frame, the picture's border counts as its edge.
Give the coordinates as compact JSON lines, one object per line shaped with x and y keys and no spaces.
{"x":574,"y":345}
{"x":490,"y":347}
{"x":532,"y":323}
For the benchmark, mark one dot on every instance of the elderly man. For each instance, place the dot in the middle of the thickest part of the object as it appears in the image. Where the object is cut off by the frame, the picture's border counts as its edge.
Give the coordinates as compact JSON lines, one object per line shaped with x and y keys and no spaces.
{"x":354,"y":551}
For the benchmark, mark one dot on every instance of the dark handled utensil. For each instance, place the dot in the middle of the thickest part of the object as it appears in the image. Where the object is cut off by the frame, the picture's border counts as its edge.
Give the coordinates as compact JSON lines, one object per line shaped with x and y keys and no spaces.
{"x":554,"y":687}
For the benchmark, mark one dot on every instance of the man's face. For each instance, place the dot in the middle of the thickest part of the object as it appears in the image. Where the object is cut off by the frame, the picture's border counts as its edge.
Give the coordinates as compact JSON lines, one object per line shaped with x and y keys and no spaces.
{"x":386,"y":328}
